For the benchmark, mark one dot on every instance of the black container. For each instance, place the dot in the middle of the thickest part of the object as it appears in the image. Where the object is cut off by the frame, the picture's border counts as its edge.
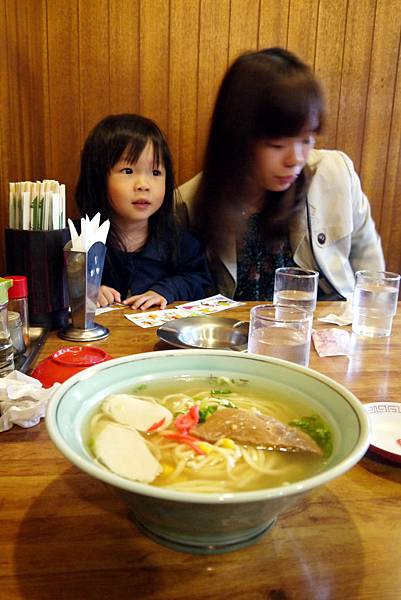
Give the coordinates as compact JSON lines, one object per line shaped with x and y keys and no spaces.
{"x":39,"y":256}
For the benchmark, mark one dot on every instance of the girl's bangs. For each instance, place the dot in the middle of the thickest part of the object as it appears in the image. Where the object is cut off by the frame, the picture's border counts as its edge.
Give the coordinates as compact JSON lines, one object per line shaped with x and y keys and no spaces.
{"x":133,"y":148}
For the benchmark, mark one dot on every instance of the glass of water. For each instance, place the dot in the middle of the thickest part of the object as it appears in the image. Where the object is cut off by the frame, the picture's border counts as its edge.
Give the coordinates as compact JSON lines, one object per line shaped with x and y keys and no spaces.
{"x":294,"y":286}
{"x":281,"y":331}
{"x":375,"y":302}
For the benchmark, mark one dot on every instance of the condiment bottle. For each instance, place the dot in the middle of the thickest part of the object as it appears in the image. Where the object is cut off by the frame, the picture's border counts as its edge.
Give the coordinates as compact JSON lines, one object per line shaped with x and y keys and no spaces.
{"x":15,"y":329}
{"x":6,"y":347}
{"x":18,"y":302}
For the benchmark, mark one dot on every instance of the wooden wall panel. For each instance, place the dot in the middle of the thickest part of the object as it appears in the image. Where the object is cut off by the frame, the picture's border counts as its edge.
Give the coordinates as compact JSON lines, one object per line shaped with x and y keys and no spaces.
{"x":154,"y":60}
{"x":213,"y":61}
{"x":273,"y":23}
{"x":183,"y":89}
{"x":328,"y":61}
{"x":65,"y":130}
{"x":27,"y":77}
{"x":302,"y":28}
{"x":391,"y":202}
{"x":244,"y":19}
{"x":380,"y":100}
{"x":94,"y":64}
{"x":355,"y":78}
{"x":5,"y":128}
{"x":124,"y":56}
{"x":65,"y":65}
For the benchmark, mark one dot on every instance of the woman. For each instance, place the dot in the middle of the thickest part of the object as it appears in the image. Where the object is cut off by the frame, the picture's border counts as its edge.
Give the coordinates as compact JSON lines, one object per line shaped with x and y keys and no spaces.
{"x":266,"y":198}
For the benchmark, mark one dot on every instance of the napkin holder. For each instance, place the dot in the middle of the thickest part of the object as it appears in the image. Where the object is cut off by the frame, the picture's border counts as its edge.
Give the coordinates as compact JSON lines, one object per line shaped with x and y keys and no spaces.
{"x":84,"y":274}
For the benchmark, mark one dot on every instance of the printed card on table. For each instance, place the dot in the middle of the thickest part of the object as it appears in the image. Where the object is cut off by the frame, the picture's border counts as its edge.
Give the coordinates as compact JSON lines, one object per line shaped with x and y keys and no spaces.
{"x":115,"y":306}
{"x":156,"y":318}
{"x":209,"y":305}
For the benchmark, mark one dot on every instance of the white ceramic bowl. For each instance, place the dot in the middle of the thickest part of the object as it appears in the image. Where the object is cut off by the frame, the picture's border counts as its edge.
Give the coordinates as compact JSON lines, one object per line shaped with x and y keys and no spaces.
{"x":195,"y":522}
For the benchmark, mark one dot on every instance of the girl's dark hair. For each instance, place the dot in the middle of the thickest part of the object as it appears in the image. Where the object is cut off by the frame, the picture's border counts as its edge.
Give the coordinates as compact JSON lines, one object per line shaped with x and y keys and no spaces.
{"x":116,"y":136}
{"x":264,"y":95}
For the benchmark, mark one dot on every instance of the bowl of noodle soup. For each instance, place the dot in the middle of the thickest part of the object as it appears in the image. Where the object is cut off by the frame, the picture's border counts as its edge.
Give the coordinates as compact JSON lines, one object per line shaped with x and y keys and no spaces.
{"x":209,"y":494}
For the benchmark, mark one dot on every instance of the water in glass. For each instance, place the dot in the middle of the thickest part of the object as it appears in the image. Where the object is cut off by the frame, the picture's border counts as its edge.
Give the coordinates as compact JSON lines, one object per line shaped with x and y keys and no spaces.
{"x":281,"y":342}
{"x":300,"y":298}
{"x":374,"y":308}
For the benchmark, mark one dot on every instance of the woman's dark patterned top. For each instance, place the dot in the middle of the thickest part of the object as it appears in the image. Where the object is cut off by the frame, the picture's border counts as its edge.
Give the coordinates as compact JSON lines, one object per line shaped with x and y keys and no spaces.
{"x":257,"y":262}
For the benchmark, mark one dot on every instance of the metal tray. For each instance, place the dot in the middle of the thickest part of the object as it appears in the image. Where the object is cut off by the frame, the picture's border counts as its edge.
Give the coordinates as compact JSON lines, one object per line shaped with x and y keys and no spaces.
{"x":37,"y":336}
{"x":206,"y":332}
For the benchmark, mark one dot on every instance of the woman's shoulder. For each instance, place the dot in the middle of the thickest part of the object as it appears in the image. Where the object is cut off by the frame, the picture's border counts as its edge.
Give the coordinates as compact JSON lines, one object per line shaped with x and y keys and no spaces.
{"x":186,"y":192}
{"x":333,"y":178}
{"x":330,"y":160}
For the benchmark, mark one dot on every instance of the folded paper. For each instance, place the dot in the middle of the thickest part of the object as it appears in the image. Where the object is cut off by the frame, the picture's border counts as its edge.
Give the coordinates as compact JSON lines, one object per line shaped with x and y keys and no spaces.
{"x":91,"y":232}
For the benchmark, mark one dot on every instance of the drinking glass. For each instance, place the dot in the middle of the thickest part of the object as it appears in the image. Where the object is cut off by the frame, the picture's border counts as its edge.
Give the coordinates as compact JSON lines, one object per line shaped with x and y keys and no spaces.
{"x":375,"y":302}
{"x":294,"y":286}
{"x":281,"y":331}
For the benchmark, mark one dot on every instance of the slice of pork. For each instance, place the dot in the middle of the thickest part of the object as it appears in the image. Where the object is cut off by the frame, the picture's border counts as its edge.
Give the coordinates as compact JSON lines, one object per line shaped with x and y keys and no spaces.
{"x":250,"y":428}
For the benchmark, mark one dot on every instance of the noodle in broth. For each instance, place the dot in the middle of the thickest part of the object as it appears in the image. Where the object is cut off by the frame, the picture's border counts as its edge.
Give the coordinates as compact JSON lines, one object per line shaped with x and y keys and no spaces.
{"x":226,"y":465}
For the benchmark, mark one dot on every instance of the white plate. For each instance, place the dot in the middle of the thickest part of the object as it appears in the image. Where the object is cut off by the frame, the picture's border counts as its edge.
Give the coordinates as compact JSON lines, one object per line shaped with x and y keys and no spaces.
{"x":385,"y":423}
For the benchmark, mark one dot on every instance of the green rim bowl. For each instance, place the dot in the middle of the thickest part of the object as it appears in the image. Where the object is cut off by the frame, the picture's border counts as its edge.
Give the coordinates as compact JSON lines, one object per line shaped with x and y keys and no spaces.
{"x":195,"y":522}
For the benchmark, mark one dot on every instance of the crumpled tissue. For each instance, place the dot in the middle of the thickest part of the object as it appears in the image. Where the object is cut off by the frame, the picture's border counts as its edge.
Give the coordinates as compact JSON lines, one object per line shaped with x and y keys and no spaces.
{"x":343,"y":317}
{"x":23,"y":400}
{"x":91,"y":232}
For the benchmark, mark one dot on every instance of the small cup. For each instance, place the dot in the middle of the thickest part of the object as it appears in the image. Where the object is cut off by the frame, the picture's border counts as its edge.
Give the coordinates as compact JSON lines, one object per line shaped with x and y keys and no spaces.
{"x":281,"y":331}
{"x":294,"y":286}
{"x":375,"y":302}
{"x":16,"y":332}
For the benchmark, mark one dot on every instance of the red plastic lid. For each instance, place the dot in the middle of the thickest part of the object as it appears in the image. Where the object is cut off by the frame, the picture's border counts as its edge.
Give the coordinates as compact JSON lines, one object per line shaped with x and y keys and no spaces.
{"x":19,"y":288}
{"x":67,"y":361}
{"x":79,"y":356}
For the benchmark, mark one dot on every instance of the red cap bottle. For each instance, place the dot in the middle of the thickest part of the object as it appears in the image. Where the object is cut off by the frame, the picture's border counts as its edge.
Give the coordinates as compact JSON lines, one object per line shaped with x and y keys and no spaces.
{"x":18,"y":301}
{"x":19,"y":288}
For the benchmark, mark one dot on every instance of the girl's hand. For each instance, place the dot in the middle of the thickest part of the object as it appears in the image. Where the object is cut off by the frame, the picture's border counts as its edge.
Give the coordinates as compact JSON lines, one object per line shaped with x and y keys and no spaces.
{"x":146,"y":300}
{"x":107,"y":295}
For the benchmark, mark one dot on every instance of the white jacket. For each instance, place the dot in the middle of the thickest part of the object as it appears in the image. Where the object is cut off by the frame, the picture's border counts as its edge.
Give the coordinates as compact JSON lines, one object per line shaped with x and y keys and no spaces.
{"x":335,"y":234}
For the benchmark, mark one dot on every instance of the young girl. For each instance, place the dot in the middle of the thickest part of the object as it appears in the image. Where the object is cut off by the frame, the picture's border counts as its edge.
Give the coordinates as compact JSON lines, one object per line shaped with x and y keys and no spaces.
{"x":266,"y":198}
{"x":127,"y":176}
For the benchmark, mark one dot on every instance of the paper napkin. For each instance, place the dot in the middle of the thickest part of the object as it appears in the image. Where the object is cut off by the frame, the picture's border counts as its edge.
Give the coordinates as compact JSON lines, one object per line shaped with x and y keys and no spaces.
{"x":91,"y":232}
{"x":331,"y":342}
{"x":342,"y":317}
{"x":23,"y":400}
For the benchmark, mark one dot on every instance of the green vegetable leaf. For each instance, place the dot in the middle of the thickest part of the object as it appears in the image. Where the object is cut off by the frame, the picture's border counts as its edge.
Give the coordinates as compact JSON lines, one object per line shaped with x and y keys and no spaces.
{"x":138,"y":388}
{"x":204,"y":413}
{"x":318,"y":431}
{"x":226,"y":403}
{"x":220,"y":392}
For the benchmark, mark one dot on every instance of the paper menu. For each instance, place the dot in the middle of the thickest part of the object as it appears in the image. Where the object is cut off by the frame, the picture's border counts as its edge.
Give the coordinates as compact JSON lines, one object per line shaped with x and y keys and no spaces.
{"x":206,"y":306}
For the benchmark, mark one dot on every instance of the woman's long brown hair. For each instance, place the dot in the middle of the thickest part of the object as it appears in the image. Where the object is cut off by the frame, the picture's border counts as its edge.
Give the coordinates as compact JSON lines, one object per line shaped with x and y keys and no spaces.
{"x":264,"y":95}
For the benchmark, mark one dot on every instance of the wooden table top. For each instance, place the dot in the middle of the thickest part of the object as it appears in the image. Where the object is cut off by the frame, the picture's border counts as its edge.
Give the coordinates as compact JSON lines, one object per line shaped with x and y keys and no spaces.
{"x":63,"y":535}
